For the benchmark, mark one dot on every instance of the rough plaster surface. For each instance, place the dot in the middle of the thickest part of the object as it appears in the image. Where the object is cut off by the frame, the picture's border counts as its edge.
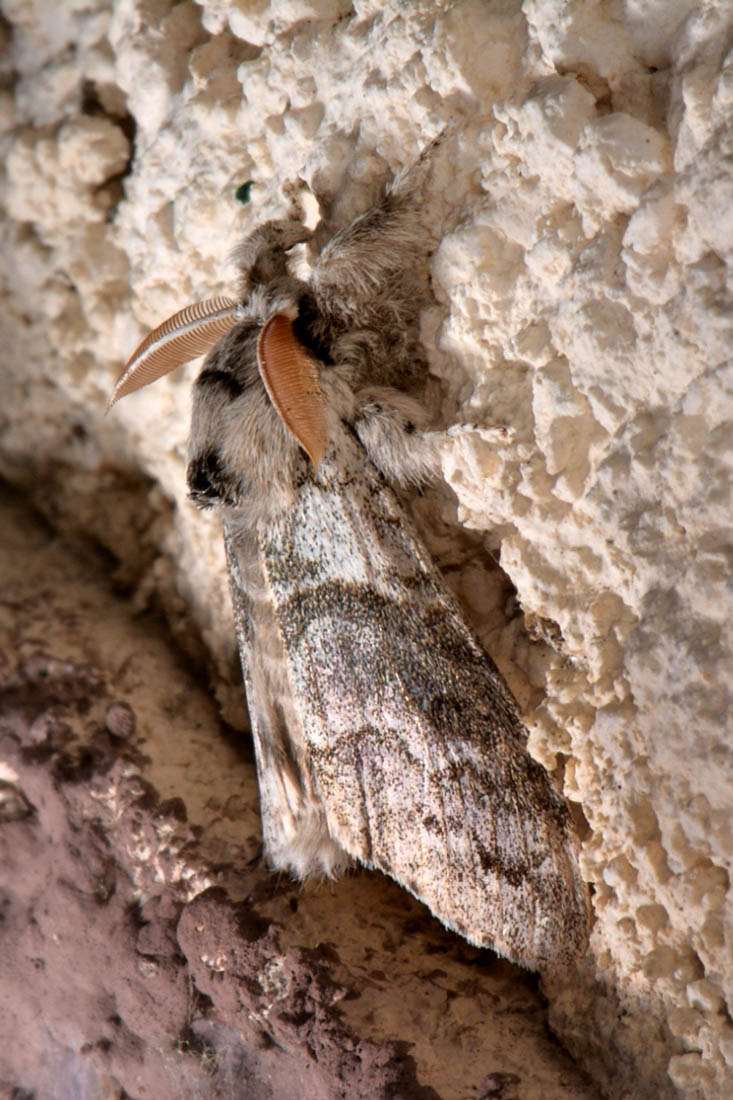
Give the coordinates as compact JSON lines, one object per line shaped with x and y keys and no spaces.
{"x":584,"y":203}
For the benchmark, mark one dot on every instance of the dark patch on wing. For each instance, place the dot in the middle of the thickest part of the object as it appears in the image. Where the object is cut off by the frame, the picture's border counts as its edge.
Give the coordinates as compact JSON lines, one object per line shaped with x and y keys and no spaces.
{"x":495,"y":863}
{"x":440,"y":673}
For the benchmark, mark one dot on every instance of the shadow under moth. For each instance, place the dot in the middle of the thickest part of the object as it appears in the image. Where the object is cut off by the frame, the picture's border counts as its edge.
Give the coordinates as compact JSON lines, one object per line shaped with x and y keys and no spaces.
{"x":383,"y":732}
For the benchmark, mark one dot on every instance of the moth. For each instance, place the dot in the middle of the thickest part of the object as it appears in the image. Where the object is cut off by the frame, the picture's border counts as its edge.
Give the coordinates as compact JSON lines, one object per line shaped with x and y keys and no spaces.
{"x":383,"y":732}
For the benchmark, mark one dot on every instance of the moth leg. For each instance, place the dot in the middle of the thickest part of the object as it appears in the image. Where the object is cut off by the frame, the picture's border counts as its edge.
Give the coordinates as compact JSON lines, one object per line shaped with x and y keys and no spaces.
{"x":391,"y":428}
{"x":376,"y":253}
{"x":262,"y":256}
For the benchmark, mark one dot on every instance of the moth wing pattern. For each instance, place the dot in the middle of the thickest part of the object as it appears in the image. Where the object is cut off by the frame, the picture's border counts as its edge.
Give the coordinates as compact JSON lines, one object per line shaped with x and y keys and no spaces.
{"x":295,"y":834}
{"x":414,"y":744}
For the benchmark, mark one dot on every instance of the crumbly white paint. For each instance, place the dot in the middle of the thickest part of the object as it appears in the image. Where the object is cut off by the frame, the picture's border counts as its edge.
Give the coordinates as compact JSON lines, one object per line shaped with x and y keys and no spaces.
{"x":582,"y":289}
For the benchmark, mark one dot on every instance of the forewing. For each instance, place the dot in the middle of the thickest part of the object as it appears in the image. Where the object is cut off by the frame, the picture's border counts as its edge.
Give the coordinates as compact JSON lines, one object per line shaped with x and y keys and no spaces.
{"x":413,"y":739}
{"x":295,"y":834}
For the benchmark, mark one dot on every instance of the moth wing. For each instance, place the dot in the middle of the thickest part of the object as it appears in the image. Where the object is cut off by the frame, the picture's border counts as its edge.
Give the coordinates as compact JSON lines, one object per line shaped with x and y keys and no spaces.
{"x":295,"y":834}
{"x":413,"y":740}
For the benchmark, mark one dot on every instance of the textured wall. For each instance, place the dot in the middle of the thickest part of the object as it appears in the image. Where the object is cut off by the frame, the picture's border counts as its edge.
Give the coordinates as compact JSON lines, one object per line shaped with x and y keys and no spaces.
{"x":585,"y":202}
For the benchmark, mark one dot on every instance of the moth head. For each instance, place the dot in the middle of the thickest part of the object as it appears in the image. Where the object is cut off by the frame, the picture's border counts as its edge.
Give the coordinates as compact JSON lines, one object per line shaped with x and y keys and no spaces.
{"x":287,"y":369}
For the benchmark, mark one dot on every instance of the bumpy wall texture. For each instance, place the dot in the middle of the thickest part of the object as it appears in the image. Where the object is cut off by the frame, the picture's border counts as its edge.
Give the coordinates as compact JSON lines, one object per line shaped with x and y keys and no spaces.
{"x":584,"y":201}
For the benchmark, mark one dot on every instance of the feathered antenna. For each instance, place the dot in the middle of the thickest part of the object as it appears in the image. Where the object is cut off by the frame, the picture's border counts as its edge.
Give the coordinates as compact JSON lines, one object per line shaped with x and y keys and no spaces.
{"x":291,"y":379}
{"x":187,"y":334}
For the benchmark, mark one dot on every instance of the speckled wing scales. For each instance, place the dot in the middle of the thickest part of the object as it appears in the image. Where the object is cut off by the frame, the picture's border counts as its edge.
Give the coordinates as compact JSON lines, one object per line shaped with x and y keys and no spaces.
{"x":295,"y":834}
{"x":413,"y":740}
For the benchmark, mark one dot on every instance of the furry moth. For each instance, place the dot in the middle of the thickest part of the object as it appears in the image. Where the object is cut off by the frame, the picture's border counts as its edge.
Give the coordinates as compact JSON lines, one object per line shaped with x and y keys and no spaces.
{"x":383,"y":732}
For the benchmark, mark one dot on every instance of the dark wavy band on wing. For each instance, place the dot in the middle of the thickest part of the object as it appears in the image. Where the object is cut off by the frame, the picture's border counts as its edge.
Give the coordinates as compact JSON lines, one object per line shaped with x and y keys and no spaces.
{"x":414,"y":740}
